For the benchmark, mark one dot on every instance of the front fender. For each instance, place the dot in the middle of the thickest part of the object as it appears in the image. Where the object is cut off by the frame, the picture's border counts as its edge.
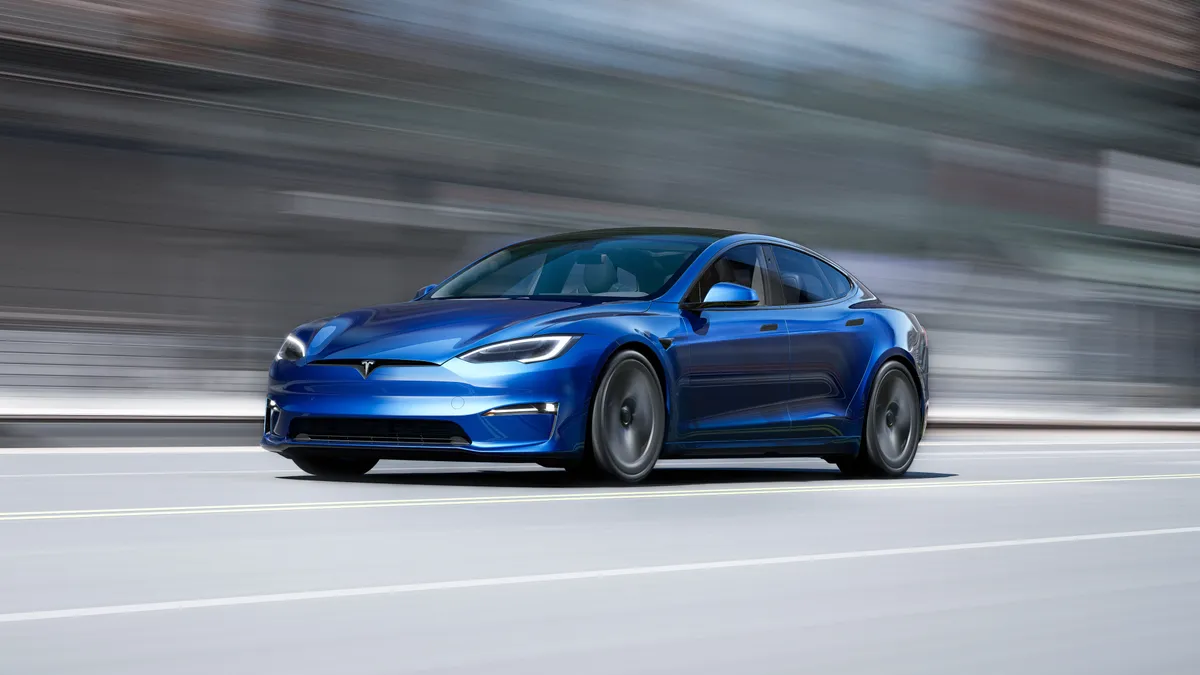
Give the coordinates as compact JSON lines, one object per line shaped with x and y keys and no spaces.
{"x":645,"y":332}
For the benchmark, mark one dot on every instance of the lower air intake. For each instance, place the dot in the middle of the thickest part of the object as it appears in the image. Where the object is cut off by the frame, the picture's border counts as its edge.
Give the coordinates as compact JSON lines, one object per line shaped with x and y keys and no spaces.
{"x":382,"y":431}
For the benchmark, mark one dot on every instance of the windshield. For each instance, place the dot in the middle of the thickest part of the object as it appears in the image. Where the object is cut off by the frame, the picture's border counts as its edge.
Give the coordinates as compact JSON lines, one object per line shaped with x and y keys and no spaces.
{"x":620,"y":266}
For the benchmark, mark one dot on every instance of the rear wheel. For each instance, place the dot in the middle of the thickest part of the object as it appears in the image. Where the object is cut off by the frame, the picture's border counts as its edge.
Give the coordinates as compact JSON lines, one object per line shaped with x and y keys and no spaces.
{"x":628,"y":419}
{"x":892,"y":427}
{"x":335,"y":467}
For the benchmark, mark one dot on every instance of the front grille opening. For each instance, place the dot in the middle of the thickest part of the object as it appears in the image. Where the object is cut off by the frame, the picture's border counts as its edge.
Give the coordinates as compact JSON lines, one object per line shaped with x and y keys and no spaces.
{"x":384,"y":431}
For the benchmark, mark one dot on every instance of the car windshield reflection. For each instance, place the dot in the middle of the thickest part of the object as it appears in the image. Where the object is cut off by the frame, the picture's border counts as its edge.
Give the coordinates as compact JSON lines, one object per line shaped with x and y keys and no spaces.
{"x":619,"y":266}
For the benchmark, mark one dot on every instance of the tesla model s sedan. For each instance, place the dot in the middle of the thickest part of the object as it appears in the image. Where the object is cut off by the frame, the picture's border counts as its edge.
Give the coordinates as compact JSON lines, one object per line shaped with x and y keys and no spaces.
{"x":603,"y":352}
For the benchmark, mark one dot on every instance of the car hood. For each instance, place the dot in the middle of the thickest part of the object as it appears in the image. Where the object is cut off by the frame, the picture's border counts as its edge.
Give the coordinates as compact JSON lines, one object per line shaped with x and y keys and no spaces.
{"x":427,"y":330}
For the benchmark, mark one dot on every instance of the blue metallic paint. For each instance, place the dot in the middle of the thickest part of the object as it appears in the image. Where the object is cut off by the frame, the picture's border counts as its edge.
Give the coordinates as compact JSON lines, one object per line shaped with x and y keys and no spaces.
{"x":760,"y":380}
{"x":734,"y":377}
{"x":727,"y":295}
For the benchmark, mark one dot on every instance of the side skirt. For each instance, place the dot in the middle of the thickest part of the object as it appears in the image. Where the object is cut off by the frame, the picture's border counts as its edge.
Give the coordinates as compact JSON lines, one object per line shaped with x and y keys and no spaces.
{"x":841,"y":446}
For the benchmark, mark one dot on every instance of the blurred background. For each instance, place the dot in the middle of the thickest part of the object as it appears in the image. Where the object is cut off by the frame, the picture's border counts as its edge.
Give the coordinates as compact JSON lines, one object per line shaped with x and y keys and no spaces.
{"x":184,"y":181}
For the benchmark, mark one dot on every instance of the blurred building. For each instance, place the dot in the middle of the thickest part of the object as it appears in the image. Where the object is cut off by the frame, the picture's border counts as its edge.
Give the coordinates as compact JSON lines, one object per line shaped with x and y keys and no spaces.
{"x":186,"y":181}
{"x":1158,"y":37}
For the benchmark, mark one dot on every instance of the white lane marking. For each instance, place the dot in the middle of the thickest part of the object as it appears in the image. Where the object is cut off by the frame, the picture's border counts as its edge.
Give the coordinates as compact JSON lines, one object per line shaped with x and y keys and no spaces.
{"x":215,"y":450}
{"x":278,"y":472}
{"x":139,"y":473}
{"x":486,"y":582}
{"x":765,"y":462}
{"x":1058,"y":454}
{"x":823,"y":486}
{"x":1052,"y":442}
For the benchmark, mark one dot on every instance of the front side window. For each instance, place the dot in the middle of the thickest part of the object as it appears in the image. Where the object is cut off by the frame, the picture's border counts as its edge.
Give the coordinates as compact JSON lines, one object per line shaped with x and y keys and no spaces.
{"x":744,"y":265}
{"x":806,"y":280}
{"x":617,"y":266}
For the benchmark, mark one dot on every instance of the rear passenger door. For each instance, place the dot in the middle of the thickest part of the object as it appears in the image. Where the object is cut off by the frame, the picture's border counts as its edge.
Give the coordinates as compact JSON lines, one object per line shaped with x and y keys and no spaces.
{"x":830,"y":348}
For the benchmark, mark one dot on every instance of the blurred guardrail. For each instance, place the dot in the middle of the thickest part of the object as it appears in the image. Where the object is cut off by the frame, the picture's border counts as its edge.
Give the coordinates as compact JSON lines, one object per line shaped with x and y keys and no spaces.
{"x":184,"y":183}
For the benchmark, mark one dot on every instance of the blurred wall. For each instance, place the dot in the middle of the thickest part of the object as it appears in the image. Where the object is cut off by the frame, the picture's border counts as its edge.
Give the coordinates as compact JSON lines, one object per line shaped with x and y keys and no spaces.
{"x":185,"y":182}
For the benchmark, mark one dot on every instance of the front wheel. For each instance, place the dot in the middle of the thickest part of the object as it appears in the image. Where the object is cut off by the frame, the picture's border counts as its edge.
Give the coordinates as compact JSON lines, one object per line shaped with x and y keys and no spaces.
{"x":892,"y":428}
{"x":629,"y":418}
{"x":335,"y":467}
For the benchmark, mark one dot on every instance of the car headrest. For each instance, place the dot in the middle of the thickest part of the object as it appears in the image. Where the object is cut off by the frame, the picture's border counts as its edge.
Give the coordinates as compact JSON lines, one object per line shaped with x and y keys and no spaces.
{"x":599,"y":277}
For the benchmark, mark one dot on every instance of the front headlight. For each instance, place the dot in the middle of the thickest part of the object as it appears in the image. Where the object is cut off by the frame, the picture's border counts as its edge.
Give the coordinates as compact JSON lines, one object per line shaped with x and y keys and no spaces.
{"x":525,"y":350}
{"x":292,"y":349}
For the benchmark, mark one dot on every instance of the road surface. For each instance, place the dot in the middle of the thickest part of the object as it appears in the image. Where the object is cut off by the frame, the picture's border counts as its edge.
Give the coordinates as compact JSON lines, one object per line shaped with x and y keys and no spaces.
{"x":1025,"y":553}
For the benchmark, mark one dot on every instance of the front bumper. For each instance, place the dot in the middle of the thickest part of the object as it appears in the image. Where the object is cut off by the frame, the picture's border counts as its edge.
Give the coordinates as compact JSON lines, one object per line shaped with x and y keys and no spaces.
{"x":456,"y":391}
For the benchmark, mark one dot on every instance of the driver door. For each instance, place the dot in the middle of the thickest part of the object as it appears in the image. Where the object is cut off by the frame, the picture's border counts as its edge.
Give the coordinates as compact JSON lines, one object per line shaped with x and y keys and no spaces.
{"x":734,"y":362}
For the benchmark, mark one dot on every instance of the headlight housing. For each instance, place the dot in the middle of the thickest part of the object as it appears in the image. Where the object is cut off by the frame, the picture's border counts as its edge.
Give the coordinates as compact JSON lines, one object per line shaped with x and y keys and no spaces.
{"x":292,"y":349}
{"x":524,"y":350}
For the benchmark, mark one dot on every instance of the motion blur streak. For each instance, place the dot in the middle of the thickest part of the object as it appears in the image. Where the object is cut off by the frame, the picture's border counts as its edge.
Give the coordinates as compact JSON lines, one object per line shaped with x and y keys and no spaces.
{"x":186,"y":181}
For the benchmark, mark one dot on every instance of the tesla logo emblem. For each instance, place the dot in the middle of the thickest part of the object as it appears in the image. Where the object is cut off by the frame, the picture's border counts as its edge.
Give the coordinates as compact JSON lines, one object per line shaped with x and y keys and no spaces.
{"x":366,"y":368}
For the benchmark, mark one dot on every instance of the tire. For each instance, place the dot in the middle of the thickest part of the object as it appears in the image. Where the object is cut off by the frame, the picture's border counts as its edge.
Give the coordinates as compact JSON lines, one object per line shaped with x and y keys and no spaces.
{"x":891,"y":428}
{"x":335,"y":467}
{"x":628,"y":419}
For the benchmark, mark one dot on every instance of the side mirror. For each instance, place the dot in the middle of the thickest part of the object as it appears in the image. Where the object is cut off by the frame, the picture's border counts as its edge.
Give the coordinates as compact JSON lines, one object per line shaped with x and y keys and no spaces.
{"x":725,"y":295}
{"x":424,"y":291}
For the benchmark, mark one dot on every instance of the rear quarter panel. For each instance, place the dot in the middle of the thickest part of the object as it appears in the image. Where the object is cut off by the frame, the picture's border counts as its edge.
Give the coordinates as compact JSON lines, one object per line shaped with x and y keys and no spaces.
{"x":897,"y":337}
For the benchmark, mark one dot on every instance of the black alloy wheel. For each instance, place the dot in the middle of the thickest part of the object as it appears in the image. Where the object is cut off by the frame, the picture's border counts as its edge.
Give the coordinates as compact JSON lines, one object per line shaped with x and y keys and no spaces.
{"x":892,"y":428}
{"x":629,"y":418}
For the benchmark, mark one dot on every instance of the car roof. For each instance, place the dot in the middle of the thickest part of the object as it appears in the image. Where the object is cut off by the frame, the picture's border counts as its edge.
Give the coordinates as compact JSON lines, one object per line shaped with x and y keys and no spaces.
{"x":603,"y":233}
{"x":716,"y":237}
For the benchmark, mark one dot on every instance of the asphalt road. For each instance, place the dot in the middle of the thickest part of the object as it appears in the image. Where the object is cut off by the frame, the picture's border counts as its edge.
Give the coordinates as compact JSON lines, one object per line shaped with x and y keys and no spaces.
{"x":1000,"y":553}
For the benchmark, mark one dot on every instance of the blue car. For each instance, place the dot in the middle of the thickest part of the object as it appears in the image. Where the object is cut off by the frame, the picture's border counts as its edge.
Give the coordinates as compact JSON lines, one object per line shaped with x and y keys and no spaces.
{"x":603,"y":352}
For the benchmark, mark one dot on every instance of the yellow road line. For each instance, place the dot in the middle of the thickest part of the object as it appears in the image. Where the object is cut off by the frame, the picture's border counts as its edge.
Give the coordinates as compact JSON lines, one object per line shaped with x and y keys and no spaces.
{"x":909,"y":484}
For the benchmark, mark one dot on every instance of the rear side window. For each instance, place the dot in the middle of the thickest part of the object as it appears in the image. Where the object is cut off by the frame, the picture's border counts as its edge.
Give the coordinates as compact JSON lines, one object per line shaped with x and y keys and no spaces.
{"x":806,"y":280}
